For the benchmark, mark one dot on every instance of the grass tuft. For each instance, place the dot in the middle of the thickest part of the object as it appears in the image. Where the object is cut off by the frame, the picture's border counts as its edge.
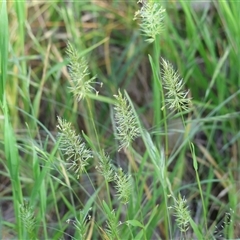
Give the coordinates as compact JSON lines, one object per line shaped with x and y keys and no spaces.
{"x":143,"y":135}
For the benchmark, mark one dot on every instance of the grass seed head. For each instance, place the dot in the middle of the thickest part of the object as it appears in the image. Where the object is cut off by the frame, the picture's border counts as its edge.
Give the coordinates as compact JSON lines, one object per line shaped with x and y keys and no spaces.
{"x":151,"y":15}
{"x":176,"y":97}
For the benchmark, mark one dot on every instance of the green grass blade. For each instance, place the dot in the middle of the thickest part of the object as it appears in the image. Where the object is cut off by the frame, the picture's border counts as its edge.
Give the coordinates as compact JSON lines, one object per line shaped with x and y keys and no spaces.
{"x":13,"y":161}
{"x":3,"y":48}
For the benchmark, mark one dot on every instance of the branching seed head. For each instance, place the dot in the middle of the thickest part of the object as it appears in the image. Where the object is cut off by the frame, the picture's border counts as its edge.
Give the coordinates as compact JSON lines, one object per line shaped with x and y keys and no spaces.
{"x":127,"y":126}
{"x":105,"y":167}
{"x":151,"y":15}
{"x":79,"y":73}
{"x":81,"y":223}
{"x":181,"y":213}
{"x":123,"y":186}
{"x":73,"y":147}
{"x":28,"y":219}
{"x":176,"y":98}
{"x":112,"y":228}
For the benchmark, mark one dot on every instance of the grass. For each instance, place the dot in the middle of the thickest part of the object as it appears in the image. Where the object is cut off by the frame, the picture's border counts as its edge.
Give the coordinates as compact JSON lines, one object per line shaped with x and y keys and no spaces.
{"x":180,"y":163}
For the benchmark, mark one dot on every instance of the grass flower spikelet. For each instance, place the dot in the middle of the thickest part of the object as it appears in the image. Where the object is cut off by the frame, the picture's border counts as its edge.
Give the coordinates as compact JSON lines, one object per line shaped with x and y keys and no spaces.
{"x":81,"y":223}
{"x":79,"y":73}
{"x":152,"y":15}
{"x":123,"y":186}
{"x":28,"y":219}
{"x":181,"y":213}
{"x":105,"y":167}
{"x":176,"y":98}
{"x":112,"y":229}
{"x":73,"y":147}
{"x":127,"y":127}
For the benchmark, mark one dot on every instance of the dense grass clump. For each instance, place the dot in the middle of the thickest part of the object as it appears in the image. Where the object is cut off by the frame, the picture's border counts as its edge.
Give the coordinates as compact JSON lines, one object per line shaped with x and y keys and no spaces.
{"x":119,"y":120}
